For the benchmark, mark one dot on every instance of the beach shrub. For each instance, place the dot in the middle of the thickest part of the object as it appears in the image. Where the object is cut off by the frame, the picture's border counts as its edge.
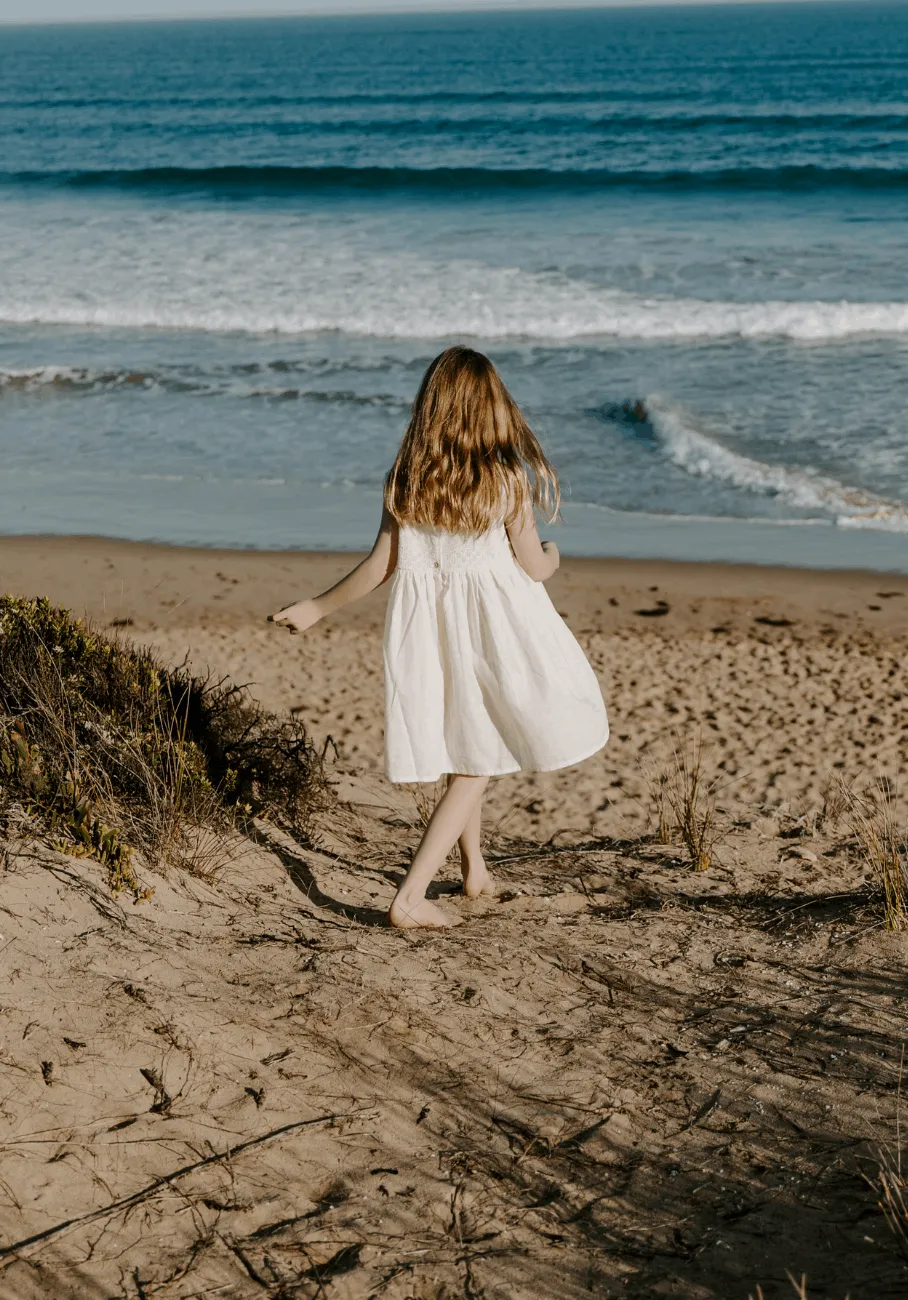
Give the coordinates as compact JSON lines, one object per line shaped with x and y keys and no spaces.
{"x":114,"y":754}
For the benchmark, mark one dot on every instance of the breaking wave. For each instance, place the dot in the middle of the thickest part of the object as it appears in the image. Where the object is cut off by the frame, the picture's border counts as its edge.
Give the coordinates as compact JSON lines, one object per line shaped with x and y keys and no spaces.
{"x":248,"y":381}
{"x":479,"y":302}
{"x":700,"y":454}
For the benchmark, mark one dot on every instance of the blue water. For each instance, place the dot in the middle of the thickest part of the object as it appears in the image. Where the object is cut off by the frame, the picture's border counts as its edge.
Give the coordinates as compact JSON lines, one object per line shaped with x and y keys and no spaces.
{"x":230,"y":248}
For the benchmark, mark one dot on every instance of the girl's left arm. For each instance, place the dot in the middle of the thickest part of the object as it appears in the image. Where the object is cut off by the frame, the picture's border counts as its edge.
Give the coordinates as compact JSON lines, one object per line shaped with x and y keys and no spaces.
{"x":370,"y":573}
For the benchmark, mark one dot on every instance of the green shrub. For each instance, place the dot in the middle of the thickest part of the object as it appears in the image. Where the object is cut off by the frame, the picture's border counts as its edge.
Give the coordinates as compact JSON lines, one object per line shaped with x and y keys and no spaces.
{"x":112,"y":752}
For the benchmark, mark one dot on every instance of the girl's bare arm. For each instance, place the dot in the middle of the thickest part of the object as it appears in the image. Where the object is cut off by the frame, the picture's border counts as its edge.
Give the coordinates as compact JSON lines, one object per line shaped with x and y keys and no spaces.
{"x":370,"y":573}
{"x":538,"y":559}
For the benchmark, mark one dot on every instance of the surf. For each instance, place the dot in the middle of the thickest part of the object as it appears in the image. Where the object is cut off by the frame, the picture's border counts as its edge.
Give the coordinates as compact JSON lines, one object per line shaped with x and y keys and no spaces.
{"x":703,"y":455}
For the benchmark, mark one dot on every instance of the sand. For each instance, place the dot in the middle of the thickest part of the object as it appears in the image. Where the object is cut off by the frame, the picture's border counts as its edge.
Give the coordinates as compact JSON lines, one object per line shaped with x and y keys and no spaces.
{"x":620,"y":1077}
{"x":791,"y":677}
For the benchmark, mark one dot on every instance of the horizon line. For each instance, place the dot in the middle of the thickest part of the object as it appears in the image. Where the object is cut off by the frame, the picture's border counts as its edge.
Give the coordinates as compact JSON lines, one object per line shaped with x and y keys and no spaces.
{"x":449,"y":9}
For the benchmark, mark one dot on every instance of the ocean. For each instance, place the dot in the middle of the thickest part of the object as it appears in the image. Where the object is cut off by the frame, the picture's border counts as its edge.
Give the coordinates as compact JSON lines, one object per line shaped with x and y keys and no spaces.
{"x":229,"y":249}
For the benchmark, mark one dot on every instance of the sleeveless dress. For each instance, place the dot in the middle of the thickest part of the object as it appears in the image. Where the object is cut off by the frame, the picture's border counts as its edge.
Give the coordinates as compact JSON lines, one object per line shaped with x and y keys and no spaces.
{"x":482,"y":676}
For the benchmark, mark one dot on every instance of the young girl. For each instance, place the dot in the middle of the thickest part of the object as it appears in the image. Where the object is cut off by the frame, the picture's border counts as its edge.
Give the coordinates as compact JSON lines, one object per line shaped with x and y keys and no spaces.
{"x":482,"y":677}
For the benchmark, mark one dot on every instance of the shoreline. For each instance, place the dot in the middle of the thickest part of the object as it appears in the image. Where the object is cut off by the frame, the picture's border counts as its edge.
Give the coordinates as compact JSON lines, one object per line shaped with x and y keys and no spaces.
{"x":354,"y":553}
{"x":156,"y":583}
{"x":279,"y":518}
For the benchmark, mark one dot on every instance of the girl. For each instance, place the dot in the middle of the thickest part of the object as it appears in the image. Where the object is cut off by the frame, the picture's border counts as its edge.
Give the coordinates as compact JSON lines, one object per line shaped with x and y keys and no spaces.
{"x":482,"y":677}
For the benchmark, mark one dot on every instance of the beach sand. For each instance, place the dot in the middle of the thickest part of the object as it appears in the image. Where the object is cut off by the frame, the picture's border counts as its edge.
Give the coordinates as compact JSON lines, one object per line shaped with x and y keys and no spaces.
{"x":791,"y":677}
{"x":620,"y":1077}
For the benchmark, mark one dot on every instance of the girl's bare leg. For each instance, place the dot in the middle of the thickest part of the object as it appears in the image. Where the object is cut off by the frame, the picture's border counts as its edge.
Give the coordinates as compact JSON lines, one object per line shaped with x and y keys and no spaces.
{"x":476,"y":878}
{"x":446,"y":825}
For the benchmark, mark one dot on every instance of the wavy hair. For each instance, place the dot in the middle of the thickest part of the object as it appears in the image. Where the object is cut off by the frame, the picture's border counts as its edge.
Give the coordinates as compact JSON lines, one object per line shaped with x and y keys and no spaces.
{"x":468,"y":457}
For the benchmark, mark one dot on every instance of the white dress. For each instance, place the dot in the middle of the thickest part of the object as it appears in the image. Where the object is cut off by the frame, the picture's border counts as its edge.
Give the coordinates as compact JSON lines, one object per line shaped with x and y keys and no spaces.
{"x":482,"y":676}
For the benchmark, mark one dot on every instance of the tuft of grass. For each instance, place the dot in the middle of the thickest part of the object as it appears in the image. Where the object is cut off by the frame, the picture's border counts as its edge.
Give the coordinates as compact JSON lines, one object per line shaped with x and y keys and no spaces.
{"x":874,"y":818}
{"x":114,"y":754}
{"x":691,"y":797}
{"x":657,"y":781}
{"x":681,"y":803}
{"x":836,"y":798}
{"x":891,"y":1186}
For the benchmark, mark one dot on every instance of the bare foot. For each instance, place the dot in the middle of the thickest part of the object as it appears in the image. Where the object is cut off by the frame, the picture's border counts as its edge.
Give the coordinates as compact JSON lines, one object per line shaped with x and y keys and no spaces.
{"x":409,"y":916}
{"x":476,"y":879}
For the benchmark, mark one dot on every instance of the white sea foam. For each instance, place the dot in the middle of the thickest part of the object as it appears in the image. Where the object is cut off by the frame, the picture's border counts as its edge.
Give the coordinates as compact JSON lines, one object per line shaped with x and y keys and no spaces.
{"x":806,"y":489}
{"x":276,"y":273}
{"x":75,"y":379}
{"x":500,"y":306}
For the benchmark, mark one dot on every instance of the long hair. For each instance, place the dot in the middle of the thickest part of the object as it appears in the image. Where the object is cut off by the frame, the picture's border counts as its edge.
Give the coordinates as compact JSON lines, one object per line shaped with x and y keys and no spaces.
{"x":468,"y":457}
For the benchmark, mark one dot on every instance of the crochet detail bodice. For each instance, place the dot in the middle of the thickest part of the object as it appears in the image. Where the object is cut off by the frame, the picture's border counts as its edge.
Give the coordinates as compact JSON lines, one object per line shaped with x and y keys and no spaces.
{"x":421,"y":548}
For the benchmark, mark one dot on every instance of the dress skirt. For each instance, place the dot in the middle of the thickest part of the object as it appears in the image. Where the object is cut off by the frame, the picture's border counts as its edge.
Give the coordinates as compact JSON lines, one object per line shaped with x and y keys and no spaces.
{"x":482,"y":676}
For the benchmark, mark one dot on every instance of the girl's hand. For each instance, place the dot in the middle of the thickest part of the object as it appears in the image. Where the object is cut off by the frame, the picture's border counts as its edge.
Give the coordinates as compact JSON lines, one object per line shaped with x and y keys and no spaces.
{"x":299,"y":617}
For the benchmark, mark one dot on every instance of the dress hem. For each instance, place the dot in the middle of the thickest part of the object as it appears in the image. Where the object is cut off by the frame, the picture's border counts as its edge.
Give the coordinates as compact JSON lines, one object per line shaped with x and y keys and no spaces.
{"x":502,"y":771}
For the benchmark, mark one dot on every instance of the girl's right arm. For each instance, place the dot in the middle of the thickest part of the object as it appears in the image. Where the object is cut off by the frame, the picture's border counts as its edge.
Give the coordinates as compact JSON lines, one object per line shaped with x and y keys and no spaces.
{"x":538,"y":559}
{"x":370,"y":573}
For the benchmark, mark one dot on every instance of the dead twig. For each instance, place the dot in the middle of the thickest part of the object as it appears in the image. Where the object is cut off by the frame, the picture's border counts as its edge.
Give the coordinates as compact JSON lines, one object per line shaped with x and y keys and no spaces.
{"x":9,"y":1253}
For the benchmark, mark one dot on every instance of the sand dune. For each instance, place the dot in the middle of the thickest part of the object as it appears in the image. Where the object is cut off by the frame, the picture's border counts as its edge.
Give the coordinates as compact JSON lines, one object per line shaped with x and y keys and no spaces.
{"x":620,"y":1077}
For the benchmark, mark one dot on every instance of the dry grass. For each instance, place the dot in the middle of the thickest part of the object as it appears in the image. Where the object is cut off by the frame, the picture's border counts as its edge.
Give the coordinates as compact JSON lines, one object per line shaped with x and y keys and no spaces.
{"x":682,"y":801}
{"x":891,"y":1180}
{"x":425,"y":801}
{"x":892,"y":1188}
{"x":657,"y":780}
{"x":836,"y":800}
{"x":799,"y":1286}
{"x":876,"y":823}
{"x":113,"y":754}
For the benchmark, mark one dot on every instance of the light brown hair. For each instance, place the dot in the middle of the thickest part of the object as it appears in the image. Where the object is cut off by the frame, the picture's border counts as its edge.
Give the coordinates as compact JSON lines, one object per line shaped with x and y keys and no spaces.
{"x":468,"y":457}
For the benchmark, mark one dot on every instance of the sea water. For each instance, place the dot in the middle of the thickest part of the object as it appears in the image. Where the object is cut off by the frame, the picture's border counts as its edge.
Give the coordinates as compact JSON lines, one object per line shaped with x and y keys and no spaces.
{"x":229,"y":249}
